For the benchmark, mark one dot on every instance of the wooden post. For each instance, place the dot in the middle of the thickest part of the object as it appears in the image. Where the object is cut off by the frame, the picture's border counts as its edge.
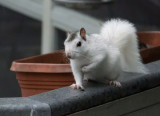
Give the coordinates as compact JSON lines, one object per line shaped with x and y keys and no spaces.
{"x":48,"y":31}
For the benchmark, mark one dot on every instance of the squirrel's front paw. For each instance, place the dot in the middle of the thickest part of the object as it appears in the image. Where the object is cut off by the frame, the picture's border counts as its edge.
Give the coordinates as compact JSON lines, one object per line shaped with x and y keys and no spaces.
{"x":85,"y":69}
{"x":76,"y":86}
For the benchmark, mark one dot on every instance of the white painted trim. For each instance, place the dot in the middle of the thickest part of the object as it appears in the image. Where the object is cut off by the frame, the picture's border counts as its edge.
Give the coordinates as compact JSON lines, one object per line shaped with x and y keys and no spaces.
{"x":68,"y":19}
{"x":26,"y":7}
{"x":63,"y":18}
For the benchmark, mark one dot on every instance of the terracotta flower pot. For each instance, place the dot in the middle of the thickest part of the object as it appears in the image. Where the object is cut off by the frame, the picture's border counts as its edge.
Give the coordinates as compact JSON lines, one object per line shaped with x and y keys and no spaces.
{"x":151,"y":38}
{"x":51,"y":71}
{"x":43,"y":73}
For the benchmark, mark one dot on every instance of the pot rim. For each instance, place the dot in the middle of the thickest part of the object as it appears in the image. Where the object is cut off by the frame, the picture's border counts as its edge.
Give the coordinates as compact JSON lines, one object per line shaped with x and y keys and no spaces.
{"x":149,"y":32}
{"x":40,"y":67}
{"x":23,"y":66}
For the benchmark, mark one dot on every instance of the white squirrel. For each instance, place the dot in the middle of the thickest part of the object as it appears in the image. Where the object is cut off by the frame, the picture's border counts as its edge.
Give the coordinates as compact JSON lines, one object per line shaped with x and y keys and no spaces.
{"x":103,"y":56}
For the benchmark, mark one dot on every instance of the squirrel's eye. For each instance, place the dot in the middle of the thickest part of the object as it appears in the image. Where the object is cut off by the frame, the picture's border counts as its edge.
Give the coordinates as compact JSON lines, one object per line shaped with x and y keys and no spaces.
{"x":79,"y":44}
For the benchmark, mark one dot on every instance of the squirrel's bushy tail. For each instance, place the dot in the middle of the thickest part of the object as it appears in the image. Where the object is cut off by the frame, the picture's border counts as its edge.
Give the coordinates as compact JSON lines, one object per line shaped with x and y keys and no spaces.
{"x":122,"y":35}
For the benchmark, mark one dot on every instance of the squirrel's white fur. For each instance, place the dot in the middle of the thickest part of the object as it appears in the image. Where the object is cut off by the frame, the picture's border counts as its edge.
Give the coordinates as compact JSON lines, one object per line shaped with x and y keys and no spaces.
{"x":122,"y":35}
{"x":103,"y":56}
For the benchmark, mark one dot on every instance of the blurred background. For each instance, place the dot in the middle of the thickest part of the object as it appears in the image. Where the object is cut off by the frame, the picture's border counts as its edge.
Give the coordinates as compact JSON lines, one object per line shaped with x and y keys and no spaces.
{"x":33,"y":27}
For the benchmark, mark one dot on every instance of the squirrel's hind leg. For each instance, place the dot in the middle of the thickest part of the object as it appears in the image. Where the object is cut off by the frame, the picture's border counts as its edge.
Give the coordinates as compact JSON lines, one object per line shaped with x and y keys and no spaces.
{"x":115,"y":83}
{"x":85,"y":79}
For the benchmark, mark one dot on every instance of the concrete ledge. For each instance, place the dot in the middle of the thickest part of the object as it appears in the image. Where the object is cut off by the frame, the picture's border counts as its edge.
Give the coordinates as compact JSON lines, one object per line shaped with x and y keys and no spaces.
{"x":66,"y":101}
{"x":138,"y":90}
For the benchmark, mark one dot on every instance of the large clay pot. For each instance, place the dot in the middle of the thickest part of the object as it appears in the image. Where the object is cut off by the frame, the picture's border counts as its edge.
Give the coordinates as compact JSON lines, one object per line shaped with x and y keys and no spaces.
{"x":43,"y":73}
{"x":51,"y":71}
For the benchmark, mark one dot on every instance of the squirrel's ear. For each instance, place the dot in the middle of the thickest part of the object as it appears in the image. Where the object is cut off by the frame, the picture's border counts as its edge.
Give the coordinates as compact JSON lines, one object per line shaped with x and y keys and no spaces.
{"x":67,"y":33}
{"x":83,"y":33}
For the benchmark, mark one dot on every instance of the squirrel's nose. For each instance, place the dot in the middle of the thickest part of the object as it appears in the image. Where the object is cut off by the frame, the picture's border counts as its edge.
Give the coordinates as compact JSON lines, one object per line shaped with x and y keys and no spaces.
{"x":68,"y":55}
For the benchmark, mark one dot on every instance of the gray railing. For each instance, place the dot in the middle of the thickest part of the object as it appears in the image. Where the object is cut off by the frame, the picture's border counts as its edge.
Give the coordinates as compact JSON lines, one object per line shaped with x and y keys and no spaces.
{"x":139,"y":95}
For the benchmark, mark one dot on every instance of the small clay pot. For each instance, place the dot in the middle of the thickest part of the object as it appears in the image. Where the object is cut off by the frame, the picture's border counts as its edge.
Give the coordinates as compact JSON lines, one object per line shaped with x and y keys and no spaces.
{"x":43,"y":73}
